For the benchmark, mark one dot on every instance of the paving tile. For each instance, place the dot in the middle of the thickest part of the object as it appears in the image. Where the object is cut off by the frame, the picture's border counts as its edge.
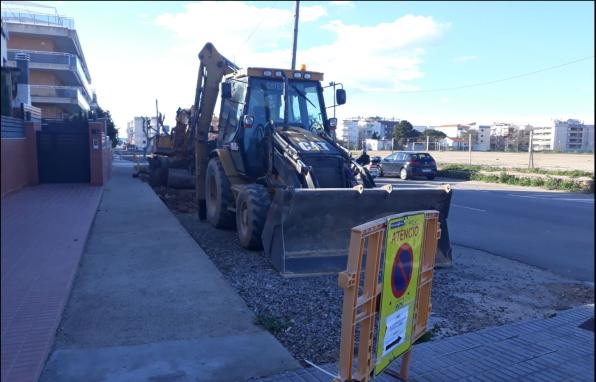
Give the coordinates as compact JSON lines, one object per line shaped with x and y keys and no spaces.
{"x":39,"y":261}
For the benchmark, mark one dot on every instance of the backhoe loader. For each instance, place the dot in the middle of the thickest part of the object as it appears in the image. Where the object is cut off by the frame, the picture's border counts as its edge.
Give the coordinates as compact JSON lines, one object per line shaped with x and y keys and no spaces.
{"x":276,"y":174}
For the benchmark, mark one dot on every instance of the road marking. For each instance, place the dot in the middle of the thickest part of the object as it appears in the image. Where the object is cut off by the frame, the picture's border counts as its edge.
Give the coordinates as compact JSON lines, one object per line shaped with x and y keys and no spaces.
{"x":583,"y":200}
{"x":469,"y":208}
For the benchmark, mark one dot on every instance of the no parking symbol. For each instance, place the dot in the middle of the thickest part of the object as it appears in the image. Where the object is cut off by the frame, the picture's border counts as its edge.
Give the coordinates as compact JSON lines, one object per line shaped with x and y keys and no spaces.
{"x":401,"y":273}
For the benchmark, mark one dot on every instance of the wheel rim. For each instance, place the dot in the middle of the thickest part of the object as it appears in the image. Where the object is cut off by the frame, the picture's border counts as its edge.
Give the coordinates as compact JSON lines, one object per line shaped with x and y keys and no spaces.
{"x":212,"y":190}
{"x":243,"y":217}
{"x":403,"y":173}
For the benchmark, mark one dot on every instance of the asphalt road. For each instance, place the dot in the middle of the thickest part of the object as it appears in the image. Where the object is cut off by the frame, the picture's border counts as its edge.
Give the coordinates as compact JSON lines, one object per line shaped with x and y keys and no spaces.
{"x":550,"y":230}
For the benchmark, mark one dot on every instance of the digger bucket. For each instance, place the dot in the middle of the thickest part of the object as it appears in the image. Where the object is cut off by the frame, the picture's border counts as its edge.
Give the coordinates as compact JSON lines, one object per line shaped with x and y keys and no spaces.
{"x":308,"y":230}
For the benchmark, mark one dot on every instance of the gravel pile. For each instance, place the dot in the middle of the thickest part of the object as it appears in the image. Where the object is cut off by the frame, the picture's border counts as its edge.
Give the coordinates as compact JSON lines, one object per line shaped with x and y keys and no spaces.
{"x":304,"y":313}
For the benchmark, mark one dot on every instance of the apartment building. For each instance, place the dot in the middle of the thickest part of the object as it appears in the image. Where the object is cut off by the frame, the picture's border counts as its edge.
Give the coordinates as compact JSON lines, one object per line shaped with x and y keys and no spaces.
{"x":571,"y":135}
{"x":509,"y":137}
{"x":481,"y":138}
{"x":135,"y":134}
{"x":347,"y":132}
{"x":60,"y":83}
{"x":352,"y":132}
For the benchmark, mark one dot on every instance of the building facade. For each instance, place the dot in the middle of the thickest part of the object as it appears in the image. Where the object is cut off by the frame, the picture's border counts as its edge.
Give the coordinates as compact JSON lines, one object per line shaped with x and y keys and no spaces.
{"x":379,"y":144}
{"x":135,"y":134}
{"x":353,"y":132}
{"x":571,"y":135}
{"x":481,"y":138}
{"x":453,"y":131}
{"x":509,"y":137}
{"x":60,"y":83}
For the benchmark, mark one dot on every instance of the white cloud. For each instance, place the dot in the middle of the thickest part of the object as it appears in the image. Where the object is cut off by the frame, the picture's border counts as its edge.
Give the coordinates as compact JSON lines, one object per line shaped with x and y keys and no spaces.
{"x":444,"y":100}
{"x":348,"y":3}
{"x":312,"y":13}
{"x":462,"y":59}
{"x":383,"y":58}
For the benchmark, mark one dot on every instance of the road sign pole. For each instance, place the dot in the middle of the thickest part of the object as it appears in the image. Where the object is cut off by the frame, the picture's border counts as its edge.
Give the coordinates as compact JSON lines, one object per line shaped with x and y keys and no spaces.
{"x":531,"y":151}
{"x":470,"y":147}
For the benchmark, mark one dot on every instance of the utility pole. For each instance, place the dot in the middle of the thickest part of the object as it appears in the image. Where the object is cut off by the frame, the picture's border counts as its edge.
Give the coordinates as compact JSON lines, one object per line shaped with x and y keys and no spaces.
{"x":531,"y":151}
{"x":470,"y":146}
{"x":295,"y":35}
{"x":427,"y":141}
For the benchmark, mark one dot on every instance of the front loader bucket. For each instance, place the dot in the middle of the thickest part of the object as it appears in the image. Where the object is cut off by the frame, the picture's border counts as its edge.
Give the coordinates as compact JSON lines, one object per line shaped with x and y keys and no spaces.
{"x":308,"y":230}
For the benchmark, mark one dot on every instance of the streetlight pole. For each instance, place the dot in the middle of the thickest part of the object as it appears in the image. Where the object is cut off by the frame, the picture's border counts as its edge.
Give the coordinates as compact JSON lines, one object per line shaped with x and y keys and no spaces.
{"x":531,"y":151}
{"x":470,"y":146}
{"x":295,"y":35}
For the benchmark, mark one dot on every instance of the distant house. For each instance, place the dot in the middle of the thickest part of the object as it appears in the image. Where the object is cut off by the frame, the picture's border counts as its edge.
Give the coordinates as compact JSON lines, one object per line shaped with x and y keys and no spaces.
{"x":454,"y":143}
{"x":379,"y":144}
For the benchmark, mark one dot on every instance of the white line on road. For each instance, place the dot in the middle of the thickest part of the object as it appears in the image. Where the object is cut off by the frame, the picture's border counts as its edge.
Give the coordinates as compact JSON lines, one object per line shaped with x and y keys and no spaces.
{"x":466,"y":207}
{"x":582,"y":200}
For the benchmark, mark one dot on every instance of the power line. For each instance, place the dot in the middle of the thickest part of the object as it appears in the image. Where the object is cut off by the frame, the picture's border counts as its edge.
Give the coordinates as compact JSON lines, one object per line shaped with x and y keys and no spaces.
{"x":499,"y":80}
{"x":258,"y":25}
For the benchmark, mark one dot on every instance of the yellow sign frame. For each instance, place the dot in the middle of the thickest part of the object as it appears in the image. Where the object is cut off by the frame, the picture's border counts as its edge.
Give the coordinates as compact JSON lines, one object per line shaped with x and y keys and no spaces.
{"x":403,"y":250}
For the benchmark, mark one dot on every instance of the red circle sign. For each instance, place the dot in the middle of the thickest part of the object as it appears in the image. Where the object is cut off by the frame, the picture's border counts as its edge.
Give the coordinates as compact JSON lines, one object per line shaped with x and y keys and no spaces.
{"x":401,"y":273}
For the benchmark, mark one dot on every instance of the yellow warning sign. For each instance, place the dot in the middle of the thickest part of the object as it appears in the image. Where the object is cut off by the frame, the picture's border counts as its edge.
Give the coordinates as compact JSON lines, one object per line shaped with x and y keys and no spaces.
{"x":400,"y":278}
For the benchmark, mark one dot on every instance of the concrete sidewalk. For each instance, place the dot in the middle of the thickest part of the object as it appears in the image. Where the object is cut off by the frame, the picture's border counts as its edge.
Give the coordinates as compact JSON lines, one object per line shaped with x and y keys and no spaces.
{"x":148,"y":304}
{"x":44,"y":229}
{"x":553,"y":349}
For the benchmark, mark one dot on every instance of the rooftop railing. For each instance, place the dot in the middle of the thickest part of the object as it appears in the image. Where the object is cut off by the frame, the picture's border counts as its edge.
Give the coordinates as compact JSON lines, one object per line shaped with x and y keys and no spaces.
{"x":26,"y":17}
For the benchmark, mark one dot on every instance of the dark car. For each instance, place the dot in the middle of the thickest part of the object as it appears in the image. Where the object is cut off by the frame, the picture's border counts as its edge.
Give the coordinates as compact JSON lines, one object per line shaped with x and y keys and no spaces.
{"x":409,"y":164}
{"x":374,"y":167}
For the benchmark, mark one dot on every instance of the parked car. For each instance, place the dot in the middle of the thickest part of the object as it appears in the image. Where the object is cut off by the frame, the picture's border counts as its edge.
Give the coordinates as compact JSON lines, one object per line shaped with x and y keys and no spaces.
{"x":374,"y":167}
{"x":409,"y":164}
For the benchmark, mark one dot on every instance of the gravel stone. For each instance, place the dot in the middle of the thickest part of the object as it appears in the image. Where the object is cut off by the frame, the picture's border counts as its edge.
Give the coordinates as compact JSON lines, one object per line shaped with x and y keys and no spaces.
{"x":304,"y":313}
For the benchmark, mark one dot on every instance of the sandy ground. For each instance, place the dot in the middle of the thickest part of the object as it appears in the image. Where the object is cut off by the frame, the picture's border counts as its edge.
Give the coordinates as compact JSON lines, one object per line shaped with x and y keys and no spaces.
{"x":548,"y":161}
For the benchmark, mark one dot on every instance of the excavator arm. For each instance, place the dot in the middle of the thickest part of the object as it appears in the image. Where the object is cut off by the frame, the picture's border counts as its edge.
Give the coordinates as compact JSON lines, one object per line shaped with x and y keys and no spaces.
{"x":213,"y":67}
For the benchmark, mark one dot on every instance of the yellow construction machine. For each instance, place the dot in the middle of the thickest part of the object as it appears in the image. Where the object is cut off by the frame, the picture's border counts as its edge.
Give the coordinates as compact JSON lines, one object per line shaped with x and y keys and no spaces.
{"x":276,"y":174}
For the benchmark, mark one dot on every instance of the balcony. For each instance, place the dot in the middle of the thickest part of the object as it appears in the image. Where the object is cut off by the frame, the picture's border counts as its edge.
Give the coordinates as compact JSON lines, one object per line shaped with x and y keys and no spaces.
{"x":67,"y":67}
{"x":70,"y":97}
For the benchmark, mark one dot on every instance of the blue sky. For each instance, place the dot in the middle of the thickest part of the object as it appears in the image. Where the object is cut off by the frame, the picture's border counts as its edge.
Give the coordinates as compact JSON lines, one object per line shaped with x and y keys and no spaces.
{"x":390,"y":56}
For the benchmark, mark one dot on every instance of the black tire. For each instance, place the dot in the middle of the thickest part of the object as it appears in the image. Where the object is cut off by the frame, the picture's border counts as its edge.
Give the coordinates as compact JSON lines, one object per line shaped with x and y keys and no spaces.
{"x":158,"y":177}
{"x":252,"y":206}
{"x":218,"y":195}
{"x":403,"y":174}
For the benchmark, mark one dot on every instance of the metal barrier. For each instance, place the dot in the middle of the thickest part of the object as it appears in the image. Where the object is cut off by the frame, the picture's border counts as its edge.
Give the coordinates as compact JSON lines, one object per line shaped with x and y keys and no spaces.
{"x":12,"y":127}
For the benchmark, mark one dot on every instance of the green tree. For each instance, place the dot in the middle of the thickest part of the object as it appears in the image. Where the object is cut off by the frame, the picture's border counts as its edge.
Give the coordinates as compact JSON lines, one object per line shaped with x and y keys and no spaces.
{"x":433,"y":134}
{"x":112,"y":130}
{"x":404,"y":130}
